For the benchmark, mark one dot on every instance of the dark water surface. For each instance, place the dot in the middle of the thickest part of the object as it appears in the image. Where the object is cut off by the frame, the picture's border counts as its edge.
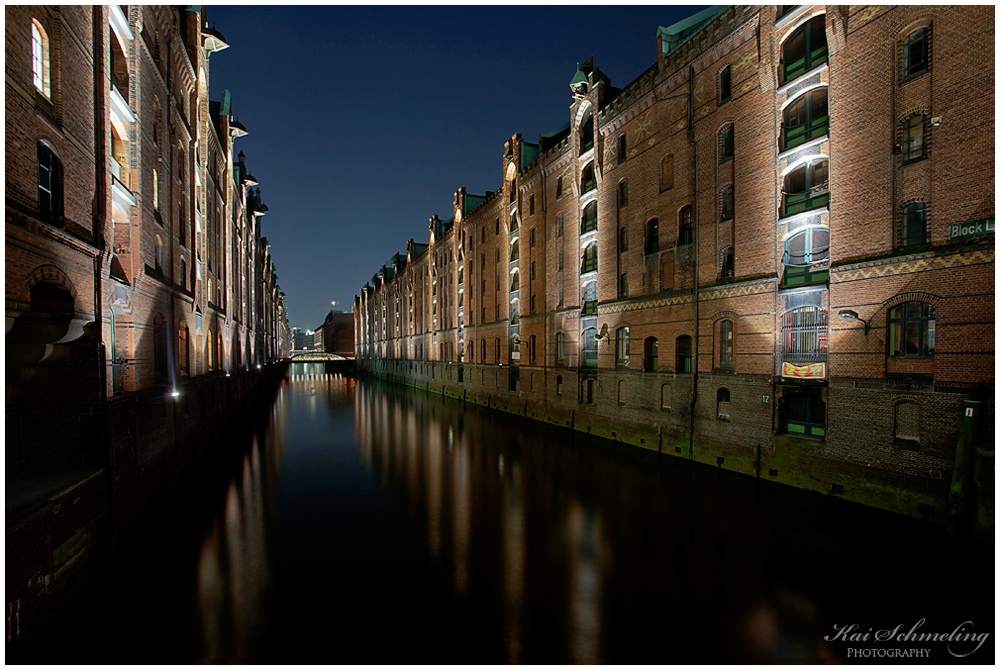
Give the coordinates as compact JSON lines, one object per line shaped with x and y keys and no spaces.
{"x":367,"y":523}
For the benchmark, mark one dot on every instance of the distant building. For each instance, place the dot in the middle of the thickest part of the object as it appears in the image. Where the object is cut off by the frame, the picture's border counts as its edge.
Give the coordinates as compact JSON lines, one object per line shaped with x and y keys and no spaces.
{"x":338,"y":333}
{"x":773,"y":252}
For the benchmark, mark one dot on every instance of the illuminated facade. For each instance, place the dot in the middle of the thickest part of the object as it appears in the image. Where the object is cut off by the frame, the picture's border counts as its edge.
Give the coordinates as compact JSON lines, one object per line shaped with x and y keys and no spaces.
{"x":772,"y":252}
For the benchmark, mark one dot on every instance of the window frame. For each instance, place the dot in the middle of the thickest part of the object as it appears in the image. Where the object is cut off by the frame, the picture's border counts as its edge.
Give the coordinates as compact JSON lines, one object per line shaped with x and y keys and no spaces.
{"x":918,"y":36}
{"x":727,"y":143}
{"x":816,"y":118}
{"x":622,"y":348}
{"x":811,"y":57}
{"x":725,"y":85}
{"x":727,"y":203}
{"x":907,"y":155}
{"x":41,"y":59}
{"x":805,"y":271}
{"x":651,"y":238}
{"x":897,"y":321}
{"x":906,"y":225}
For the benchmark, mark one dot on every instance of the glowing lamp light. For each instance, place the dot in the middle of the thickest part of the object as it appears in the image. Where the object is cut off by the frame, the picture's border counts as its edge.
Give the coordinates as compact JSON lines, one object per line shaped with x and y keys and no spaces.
{"x":851,"y":315}
{"x":175,"y":394}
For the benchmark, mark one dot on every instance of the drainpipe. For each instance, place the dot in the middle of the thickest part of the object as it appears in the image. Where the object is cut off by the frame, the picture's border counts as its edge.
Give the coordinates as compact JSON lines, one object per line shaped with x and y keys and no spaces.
{"x":697,"y":257}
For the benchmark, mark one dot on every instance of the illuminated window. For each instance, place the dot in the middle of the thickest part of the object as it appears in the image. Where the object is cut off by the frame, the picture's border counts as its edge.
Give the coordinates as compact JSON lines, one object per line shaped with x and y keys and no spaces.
{"x":726,"y":344}
{"x":804,"y":50}
{"x":911,"y":330}
{"x":40,"y":69}
{"x":806,"y":187}
{"x":621,"y":349}
{"x":805,"y":119}
{"x":913,"y":148}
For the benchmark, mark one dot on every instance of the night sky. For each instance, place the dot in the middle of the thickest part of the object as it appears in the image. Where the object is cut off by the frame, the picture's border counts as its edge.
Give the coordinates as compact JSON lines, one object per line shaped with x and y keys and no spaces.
{"x":364,"y":121}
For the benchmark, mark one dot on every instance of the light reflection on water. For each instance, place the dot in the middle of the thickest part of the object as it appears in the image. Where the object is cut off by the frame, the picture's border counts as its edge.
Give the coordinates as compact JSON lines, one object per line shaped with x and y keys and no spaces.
{"x":377,"y":524}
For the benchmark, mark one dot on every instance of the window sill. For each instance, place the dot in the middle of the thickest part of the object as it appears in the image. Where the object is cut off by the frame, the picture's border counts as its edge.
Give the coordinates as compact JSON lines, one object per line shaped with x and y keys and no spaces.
{"x":906,"y":79}
{"x":784,"y":88}
{"x":912,"y":161}
{"x":785,"y":153}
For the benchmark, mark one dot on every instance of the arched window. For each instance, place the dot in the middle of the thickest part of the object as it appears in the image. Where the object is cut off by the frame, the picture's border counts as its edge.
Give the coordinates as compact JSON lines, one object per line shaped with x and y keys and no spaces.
{"x":120,"y":157}
{"x":588,"y":182}
{"x":913,"y":224}
{"x":685,"y":228}
{"x":158,"y":254}
{"x":650,"y":354}
{"x":722,"y":404}
{"x":590,"y":298}
{"x":911,"y":330}
{"x":623,"y":193}
{"x":515,"y":253}
{"x":40,"y":68}
{"x":589,"y":217}
{"x":587,"y":131}
{"x":652,"y":239}
{"x":803,"y":414}
{"x":726,"y":143}
{"x":587,"y":391}
{"x":912,"y":146}
{"x":482,"y":350}
{"x":806,"y":187}
{"x":496,"y":350}
{"x":589,"y":357}
{"x":515,"y":281}
{"x":589,"y":258}
{"x":515,"y":312}
{"x":726,"y":344}
{"x":559,"y":383}
{"x":807,"y":254}
{"x":621,"y":348}
{"x":622,"y":148}
{"x":665,"y":396}
{"x":916,"y":53}
{"x":219,"y":350}
{"x":514,"y":348}
{"x":725,"y":85}
{"x":560,"y":346}
{"x":623,"y":238}
{"x":621,"y":391}
{"x":532,"y":350}
{"x":683,"y":349}
{"x":49,"y":184}
{"x":805,"y":119}
{"x":804,"y":50}
{"x":727,"y":263}
{"x":907,"y":425}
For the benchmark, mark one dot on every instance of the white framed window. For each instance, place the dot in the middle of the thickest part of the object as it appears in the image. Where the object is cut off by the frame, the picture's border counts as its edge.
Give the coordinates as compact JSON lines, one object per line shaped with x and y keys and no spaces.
{"x":40,"y":68}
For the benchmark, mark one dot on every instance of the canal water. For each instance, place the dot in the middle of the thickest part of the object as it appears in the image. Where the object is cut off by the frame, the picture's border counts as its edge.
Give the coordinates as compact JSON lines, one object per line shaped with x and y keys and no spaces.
{"x":360,"y":522}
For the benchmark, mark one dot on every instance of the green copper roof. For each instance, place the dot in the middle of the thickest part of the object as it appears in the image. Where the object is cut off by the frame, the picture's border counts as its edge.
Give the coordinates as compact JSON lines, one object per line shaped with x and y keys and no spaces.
{"x":225,"y":107}
{"x":578,"y":78}
{"x":529,"y":154}
{"x":472,"y":202}
{"x":418,"y":249}
{"x":677,"y":34}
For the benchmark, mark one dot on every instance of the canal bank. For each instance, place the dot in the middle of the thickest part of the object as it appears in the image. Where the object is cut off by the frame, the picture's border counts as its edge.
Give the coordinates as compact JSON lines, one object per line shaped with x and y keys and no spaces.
{"x":662,"y":415}
{"x":62,"y":525}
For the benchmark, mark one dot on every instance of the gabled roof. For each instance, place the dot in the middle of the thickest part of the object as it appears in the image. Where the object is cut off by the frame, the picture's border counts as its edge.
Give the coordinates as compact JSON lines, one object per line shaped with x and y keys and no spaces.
{"x":677,"y":34}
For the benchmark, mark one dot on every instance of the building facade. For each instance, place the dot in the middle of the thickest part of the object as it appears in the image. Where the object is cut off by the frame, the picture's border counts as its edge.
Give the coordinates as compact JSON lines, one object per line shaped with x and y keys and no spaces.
{"x":772,"y":252}
{"x":139,"y":289}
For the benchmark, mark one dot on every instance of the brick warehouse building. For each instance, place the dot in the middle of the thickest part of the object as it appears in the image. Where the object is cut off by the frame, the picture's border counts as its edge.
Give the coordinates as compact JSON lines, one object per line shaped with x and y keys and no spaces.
{"x":141,"y":297}
{"x":772,"y":252}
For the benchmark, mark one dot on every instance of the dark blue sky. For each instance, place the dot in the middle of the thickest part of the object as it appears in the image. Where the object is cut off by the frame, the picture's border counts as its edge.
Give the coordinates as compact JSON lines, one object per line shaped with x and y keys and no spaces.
{"x":364,"y":121}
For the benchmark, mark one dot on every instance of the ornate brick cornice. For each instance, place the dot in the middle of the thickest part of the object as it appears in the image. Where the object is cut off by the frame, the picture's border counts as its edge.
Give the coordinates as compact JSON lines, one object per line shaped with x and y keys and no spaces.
{"x":909,"y":264}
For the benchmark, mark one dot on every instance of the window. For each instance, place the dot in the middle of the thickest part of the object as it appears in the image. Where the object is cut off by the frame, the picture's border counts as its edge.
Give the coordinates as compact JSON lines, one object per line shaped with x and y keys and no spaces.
{"x":623,"y":285}
{"x":911,"y":330}
{"x":532,"y":269}
{"x":804,"y":336}
{"x":532,"y":306}
{"x":622,"y":148}
{"x":590,"y":298}
{"x":497,"y":227}
{"x":559,"y":224}
{"x":623,"y":239}
{"x":587,"y":391}
{"x":49,"y":184}
{"x":665,"y":396}
{"x":722,"y":404}
{"x":532,"y":341}
{"x":560,"y":297}
{"x":803,"y":414}
{"x":558,"y":187}
{"x":515,"y":281}
{"x":726,"y":344}
{"x":496,"y":350}
{"x":120,"y":157}
{"x":589,"y":348}
{"x":497,"y":259}
{"x":182,"y":349}
{"x":807,"y":254}
{"x":907,"y":422}
{"x":497,"y":310}
{"x":560,"y":259}
{"x":531,"y":205}
{"x":482,"y":350}
{"x":183,"y":273}
{"x":158,"y":255}
{"x":683,"y":349}
{"x":725,"y":85}
{"x":667,"y":172}
{"x":650,"y":354}
{"x":621,"y":391}
{"x":514,"y":252}
{"x":621,"y":340}
{"x":805,"y":118}
{"x":559,"y":383}
{"x":156,"y":191}
{"x":806,"y":187}
{"x":622,"y":194}
{"x":587,"y":132}
{"x":916,"y":53}
{"x":727,"y":264}
{"x":652,"y":244}
{"x":913,"y":148}
{"x":181,"y":224}
{"x":40,"y":70}
{"x":589,"y":217}
{"x":685,"y":231}
{"x":727,"y":204}
{"x":588,"y":182}
{"x":726,"y":144}
{"x":560,"y":346}
{"x":589,"y":259}
{"x":531,"y":236}
{"x":804,"y":50}
{"x":913,"y":227}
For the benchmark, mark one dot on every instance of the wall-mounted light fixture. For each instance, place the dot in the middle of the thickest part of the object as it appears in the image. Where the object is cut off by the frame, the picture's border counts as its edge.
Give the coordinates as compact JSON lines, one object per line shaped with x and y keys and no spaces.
{"x":851,"y":315}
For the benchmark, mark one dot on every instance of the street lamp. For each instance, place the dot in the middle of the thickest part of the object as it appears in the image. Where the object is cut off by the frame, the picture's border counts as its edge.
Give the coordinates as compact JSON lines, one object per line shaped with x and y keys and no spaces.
{"x":851,"y":315}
